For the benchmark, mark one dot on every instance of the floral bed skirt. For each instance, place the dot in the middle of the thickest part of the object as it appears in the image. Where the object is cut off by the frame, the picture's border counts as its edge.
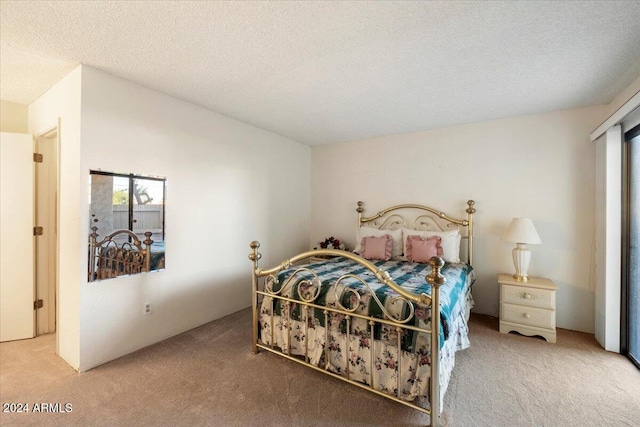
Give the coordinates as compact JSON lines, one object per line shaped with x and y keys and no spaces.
{"x":356,"y":355}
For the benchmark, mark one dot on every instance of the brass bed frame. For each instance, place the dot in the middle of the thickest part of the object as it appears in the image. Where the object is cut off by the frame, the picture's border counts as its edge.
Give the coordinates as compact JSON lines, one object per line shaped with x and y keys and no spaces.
{"x":108,"y":259}
{"x":387,"y":219}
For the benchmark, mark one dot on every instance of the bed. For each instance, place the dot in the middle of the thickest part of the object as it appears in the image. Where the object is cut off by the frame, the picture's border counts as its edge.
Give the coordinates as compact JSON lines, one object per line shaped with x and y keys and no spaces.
{"x":123,"y":253}
{"x":367,"y":317}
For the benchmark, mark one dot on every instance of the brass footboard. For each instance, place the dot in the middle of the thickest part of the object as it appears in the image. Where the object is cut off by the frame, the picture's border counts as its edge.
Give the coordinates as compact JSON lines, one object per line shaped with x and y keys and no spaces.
{"x":263,"y":281}
{"x":108,"y":258}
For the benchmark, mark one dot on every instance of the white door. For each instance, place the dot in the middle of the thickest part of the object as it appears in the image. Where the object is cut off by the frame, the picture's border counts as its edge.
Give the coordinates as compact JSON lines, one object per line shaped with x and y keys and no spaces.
{"x":16,"y":237}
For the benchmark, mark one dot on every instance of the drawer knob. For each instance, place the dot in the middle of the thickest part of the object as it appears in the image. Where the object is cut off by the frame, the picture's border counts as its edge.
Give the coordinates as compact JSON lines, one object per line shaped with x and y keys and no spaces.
{"x":527,"y":296}
{"x":527,"y":316}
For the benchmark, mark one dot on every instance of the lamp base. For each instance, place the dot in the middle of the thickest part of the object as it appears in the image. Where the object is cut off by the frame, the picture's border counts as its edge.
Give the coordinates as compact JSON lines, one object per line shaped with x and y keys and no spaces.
{"x":521,"y":260}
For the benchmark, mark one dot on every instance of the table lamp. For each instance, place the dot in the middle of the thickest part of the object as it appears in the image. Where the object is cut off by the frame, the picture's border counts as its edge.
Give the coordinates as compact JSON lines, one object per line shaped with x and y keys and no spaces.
{"x":521,"y":232}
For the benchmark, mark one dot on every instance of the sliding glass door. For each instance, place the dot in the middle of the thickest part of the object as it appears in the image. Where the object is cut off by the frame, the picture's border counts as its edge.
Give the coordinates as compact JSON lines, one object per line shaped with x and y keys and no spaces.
{"x":631,"y":249}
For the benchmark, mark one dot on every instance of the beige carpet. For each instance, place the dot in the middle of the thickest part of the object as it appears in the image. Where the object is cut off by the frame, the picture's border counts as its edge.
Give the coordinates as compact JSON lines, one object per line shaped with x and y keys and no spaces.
{"x":208,"y":376}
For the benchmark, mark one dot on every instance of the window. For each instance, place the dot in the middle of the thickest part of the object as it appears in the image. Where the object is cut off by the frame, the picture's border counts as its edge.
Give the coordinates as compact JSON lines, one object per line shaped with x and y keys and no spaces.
{"x":130,"y":206}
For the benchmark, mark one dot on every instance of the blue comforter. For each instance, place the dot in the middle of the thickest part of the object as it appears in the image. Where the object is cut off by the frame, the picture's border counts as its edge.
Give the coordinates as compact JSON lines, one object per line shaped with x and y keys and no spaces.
{"x":410,"y":276}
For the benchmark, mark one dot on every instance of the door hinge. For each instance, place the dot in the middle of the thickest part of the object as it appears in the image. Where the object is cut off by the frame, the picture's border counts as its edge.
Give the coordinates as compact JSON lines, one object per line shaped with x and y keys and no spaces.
{"x":38,"y":304}
{"x":38,"y":231}
{"x":37,"y":157}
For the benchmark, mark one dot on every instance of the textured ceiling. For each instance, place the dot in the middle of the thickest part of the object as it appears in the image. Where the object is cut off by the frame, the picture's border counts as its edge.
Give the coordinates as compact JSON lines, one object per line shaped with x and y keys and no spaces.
{"x":324,"y":72}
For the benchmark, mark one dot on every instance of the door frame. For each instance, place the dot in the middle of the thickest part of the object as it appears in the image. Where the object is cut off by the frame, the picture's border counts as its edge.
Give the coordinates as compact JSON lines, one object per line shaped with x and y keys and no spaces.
{"x":44,"y":323}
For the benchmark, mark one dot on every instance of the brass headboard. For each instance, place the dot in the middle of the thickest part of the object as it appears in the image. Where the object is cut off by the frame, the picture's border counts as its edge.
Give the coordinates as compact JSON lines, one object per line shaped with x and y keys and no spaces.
{"x":424,"y":218}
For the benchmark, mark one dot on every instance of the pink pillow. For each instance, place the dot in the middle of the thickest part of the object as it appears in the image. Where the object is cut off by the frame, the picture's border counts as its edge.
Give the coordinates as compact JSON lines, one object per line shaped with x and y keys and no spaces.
{"x":377,"y":247}
{"x":420,"y":249}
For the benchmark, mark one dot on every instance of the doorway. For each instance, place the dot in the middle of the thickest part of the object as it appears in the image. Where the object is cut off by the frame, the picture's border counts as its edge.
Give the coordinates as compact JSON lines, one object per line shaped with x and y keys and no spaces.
{"x":46,"y":216}
{"x":29,"y":240}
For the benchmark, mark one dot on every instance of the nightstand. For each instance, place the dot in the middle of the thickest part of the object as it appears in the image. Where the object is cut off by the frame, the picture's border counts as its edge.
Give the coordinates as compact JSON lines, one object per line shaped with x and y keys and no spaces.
{"x":528,"y":307}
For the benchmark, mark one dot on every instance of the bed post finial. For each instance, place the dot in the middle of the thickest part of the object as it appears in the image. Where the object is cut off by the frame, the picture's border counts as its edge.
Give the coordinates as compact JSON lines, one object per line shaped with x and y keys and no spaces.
{"x":470,"y":211}
{"x":360,"y":209}
{"x":254,"y":256}
{"x":435,"y":278}
{"x":147,"y":250}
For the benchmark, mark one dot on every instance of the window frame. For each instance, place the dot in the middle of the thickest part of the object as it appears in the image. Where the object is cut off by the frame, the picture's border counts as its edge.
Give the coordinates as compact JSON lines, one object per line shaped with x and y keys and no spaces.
{"x":131,"y":177}
{"x":625,"y":278}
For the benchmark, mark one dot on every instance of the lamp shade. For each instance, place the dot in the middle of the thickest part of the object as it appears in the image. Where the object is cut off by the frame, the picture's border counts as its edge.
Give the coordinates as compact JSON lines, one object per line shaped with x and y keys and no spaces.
{"x":521,"y":230}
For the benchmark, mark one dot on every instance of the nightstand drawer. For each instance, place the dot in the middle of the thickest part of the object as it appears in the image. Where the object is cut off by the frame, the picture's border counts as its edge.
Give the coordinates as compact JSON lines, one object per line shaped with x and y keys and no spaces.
{"x":532,"y":297}
{"x":532,"y":316}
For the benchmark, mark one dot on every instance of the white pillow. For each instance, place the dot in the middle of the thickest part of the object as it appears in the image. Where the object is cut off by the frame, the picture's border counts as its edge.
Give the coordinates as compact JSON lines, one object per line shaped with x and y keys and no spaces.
{"x":450,"y":244}
{"x":450,"y":241}
{"x":396,"y":236}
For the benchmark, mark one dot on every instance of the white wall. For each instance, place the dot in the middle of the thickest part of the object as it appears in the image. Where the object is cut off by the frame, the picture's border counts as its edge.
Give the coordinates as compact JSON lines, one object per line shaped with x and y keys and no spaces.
{"x":13,"y":117}
{"x":228,"y":183}
{"x":62,"y":102}
{"x":539,"y":166}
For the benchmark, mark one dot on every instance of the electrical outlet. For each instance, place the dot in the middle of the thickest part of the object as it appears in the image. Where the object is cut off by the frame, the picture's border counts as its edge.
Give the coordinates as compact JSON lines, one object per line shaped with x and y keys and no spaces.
{"x":147,"y":308}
